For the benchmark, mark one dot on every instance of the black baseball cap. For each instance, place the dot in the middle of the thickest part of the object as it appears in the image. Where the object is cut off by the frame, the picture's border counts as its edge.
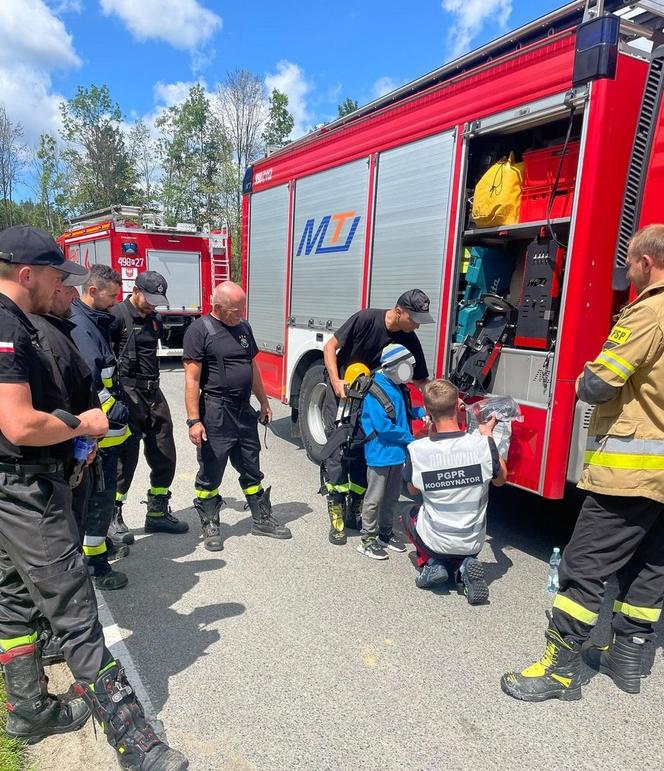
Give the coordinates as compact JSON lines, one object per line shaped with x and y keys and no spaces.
{"x":154,"y":286}
{"x":25,"y":245}
{"x":417,"y":304}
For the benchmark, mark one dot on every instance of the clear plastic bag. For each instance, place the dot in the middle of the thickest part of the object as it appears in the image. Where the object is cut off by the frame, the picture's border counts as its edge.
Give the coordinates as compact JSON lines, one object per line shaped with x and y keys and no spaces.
{"x":503,"y":408}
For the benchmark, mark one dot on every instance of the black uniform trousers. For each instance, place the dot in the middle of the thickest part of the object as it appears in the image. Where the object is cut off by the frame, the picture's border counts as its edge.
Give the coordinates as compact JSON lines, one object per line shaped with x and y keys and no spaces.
{"x":42,"y":571}
{"x":613,"y":534}
{"x":232,"y":434}
{"x":343,"y":472}
{"x":149,"y":419}
{"x":101,"y":504}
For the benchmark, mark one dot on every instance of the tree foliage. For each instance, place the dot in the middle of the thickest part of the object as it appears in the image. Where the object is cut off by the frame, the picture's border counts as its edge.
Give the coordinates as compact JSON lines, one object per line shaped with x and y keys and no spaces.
{"x":279,"y":123}
{"x":11,"y":161}
{"x":101,"y":166}
{"x":347,"y":106}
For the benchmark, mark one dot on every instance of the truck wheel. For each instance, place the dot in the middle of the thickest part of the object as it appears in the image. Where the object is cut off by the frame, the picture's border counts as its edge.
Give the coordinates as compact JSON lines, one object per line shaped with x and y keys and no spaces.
{"x":312,"y":395}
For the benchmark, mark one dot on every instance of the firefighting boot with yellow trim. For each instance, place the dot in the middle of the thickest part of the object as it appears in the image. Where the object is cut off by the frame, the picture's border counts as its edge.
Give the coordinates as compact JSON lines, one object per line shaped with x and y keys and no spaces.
{"x":335,"y":509}
{"x":115,"y":707}
{"x":622,"y":661}
{"x":32,"y":712}
{"x":263,"y":521}
{"x":557,"y":675}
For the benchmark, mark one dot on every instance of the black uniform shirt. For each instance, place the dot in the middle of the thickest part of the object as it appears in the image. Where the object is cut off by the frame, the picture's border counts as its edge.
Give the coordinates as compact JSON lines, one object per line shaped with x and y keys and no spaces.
{"x":146,"y":337}
{"x":22,"y":360}
{"x":54,"y":334}
{"x":364,"y":335}
{"x":237,"y":348}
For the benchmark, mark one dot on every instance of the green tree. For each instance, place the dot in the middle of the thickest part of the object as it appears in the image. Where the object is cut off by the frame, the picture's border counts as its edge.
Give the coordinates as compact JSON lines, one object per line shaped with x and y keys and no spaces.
{"x":143,"y":153}
{"x":347,"y":106}
{"x":193,"y":148}
{"x":279,"y":122}
{"x":102,"y":170}
{"x":50,"y":175}
{"x":12,"y":153}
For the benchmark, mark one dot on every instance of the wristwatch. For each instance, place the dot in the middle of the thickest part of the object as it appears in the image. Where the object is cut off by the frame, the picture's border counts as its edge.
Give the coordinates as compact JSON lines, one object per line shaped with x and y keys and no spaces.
{"x":192,"y":422}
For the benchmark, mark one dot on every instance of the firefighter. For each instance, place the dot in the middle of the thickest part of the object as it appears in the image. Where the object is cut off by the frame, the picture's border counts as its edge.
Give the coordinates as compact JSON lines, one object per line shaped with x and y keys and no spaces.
{"x":621,"y":524}
{"x":41,"y":563}
{"x":220,"y":376}
{"x":360,"y":340}
{"x":91,"y":333}
{"x":135,"y":333}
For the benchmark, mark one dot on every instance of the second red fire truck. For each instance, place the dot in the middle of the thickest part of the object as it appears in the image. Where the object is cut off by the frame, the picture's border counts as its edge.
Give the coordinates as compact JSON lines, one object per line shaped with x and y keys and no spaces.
{"x":382,"y":200}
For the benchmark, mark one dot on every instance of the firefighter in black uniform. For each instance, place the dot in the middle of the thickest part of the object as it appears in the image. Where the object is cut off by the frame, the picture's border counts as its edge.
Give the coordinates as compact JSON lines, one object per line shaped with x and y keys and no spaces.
{"x":135,"y":335}
{"x":91,"y":333}
{"x":41,"y":565}
{"x":360,"y":340}
{"x":220,"y":376}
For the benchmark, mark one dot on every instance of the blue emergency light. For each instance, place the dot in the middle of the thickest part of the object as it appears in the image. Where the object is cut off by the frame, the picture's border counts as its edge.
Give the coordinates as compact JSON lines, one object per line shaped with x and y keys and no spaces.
{"x":596,"y":54}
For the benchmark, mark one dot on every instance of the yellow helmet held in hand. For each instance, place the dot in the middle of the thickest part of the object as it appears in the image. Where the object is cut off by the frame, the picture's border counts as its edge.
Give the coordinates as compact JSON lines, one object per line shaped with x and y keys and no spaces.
{"x":354,"y":371}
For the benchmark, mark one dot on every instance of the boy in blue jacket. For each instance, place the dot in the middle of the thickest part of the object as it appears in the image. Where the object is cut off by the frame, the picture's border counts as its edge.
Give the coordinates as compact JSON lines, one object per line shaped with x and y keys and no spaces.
{"x":387,"y":433}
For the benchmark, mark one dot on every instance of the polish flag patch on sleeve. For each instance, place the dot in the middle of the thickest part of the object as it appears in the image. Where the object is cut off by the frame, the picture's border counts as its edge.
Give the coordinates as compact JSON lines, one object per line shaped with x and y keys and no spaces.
{"x":6,"y":347}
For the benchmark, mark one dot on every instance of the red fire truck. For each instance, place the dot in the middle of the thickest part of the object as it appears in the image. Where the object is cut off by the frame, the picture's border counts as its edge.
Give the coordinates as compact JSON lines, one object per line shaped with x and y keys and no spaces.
{"x":130,"y":241}
{"x":380,"y":201}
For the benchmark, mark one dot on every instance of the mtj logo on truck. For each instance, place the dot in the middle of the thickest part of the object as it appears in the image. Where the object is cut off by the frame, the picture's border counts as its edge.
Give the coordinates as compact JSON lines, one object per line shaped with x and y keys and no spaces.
{"x":310,"y":239}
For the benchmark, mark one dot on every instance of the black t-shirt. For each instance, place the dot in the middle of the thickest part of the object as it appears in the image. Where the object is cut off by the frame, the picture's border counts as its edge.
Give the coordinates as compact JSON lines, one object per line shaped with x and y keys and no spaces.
{"x":147,"y":331}
{"x":364,"y":335}
{"x":234,"y":345}
{"x":23,"y":360}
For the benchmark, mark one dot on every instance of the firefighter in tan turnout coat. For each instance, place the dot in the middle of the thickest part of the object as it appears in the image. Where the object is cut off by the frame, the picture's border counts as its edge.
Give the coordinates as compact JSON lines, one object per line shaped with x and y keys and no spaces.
{"x":621,"y":525}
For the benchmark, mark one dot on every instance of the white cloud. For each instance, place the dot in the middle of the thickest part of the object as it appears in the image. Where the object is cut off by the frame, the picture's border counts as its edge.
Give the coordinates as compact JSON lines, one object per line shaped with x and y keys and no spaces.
{"x":26,"y":63}
{"x":470,"y":17}
{"x":185,"y":24}
{"x":169,"y":94}
{"x":66,"y":6}
{"x":383,"y":86}
{"x":291,"y":80}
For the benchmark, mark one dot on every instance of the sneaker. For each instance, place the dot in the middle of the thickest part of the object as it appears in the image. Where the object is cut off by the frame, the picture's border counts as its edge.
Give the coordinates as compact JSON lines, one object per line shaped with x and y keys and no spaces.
{"x":391,"y":542}
{"x":474,"y":584}
{"x":371,"y":548}
{"x":432,"y":574}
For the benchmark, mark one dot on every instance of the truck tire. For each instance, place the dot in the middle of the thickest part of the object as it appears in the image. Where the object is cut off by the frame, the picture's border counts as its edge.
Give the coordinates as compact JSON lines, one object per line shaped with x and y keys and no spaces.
{"x":310,"y":408}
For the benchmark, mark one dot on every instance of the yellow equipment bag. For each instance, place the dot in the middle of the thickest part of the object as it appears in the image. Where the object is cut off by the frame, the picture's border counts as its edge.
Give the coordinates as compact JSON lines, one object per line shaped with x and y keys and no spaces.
{"x":497,"y":195}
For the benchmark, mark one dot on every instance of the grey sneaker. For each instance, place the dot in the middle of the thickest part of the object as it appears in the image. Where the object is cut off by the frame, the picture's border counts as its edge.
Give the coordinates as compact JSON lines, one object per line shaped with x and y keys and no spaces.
{"x":391,"y":542}
{"x":371,"y":548}
{"x":432,"y":574}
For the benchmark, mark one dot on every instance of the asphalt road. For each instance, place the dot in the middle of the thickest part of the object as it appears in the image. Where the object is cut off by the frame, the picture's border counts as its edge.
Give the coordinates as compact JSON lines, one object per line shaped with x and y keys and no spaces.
{"x":303,"y":655}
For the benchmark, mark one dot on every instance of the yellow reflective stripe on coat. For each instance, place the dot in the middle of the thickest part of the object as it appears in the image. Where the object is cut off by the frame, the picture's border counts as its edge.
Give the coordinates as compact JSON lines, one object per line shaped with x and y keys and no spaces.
{"x":634,"y":611}
{"x":8,"y":643}
{"x":106,"y":406}
{"x":107,"y":376}
{"x":115,"y":437}
{"x":624,"y":452}
{"x":575,"y":610}
{"x":619,"y":366}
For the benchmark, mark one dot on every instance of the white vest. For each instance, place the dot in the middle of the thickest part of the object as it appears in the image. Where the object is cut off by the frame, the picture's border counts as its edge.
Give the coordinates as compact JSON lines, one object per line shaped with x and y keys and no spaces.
{"x":453,"y":472}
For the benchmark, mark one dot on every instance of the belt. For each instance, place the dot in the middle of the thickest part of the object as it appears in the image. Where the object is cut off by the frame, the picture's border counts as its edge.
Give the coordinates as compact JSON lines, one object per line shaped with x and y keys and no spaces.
{"x":227,"y":400}
{"x":142,"y":384}
{"x":22,"y":469}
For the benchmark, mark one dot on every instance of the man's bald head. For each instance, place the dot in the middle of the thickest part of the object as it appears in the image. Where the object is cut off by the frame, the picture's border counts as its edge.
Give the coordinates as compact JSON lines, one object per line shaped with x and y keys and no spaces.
{"x":229,"y":303}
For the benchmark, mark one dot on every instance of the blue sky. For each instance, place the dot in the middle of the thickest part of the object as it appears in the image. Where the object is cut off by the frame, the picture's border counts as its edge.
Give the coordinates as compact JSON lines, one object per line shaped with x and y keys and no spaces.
{"x":149,"y":51}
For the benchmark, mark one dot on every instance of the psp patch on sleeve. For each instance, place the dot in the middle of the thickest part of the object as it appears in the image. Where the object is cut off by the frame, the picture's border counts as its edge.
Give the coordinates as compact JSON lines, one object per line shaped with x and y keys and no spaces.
{"x":450,"y":478}
{"x":620,"y":334}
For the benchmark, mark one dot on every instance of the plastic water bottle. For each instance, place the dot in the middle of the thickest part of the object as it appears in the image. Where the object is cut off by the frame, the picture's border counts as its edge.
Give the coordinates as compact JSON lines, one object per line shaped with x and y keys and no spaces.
{"x":554,"y":561}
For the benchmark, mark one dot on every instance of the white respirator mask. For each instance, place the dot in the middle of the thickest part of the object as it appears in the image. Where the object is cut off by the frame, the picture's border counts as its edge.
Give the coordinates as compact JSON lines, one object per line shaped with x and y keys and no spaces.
{"x":401,"y":374}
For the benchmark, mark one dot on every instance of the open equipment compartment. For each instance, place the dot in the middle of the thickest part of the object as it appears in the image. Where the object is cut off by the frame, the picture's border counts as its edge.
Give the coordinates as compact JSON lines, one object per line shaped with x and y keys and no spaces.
{"x":509,"y":276}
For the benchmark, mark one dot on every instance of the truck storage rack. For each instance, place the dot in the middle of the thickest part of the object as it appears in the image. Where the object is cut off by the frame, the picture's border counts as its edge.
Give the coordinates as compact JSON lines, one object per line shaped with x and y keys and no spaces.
{"x":521,"y":230}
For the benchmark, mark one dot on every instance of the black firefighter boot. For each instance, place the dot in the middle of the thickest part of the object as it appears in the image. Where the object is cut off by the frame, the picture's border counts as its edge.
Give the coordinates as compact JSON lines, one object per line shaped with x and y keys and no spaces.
{"x":335,"y":508}
{"x":118,"y":529}
{"x":32,"y":712}
{"x":557,"y":675}
{"x":622,"y":661}
{"x":50,"y":645}
{"x":115,"y":707}
{"x":208,"y":510}
{"x":353,"y":512}
{"x":264,"y":522}
{"x":159,"y":518}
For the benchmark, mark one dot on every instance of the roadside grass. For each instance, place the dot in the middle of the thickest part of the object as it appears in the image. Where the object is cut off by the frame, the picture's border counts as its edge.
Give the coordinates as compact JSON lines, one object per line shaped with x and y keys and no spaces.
{"x":11,"y":750}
